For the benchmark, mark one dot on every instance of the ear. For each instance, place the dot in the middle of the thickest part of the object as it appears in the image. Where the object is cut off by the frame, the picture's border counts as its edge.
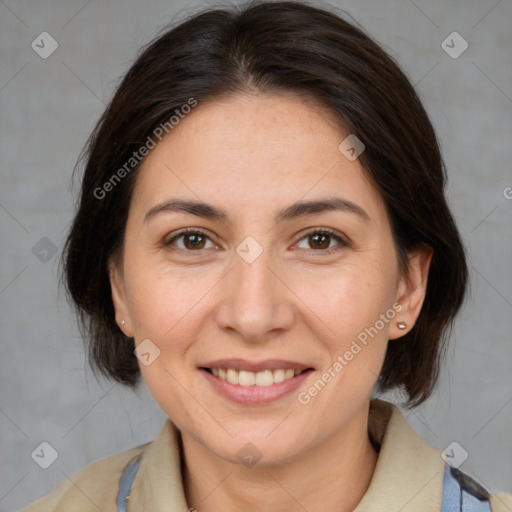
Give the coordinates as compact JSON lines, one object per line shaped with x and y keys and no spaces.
{"x":117,"y":286}
{"x":411,"y":290}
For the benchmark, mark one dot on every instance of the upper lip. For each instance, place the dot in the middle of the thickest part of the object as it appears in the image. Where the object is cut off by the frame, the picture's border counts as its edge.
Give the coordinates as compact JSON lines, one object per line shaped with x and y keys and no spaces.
{"x":255,"y":366}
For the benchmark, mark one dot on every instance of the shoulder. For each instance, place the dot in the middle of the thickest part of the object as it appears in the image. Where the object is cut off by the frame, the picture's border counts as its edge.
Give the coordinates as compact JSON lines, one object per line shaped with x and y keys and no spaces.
{"x":407,"y":458}
{"x":93,"y":488}
{"x":461,"y":492}
{"x":501,"y":502}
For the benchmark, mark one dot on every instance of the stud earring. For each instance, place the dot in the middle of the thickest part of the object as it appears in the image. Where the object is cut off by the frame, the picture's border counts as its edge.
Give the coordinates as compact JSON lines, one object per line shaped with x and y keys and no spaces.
{"x":122,"y":322}
{"x":401,"y":325}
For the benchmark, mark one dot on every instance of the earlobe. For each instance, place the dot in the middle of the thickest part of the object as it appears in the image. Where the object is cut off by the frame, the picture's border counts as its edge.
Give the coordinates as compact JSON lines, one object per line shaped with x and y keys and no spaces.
{"x":119,"y":298}
{"x":411,"y":291}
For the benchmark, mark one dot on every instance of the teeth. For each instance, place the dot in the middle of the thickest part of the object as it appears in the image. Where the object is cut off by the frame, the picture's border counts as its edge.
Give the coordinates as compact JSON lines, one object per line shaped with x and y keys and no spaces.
{"x":232,"y":376}
{"x":278,"y":376}
{"x":265,"y":378}
{"x":262,"y":379}
{"x":245,"y":378}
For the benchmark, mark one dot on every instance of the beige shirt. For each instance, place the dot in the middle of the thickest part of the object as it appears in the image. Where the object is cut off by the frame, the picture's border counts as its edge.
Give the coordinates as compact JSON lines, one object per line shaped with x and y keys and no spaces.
{"x":408,"y":476}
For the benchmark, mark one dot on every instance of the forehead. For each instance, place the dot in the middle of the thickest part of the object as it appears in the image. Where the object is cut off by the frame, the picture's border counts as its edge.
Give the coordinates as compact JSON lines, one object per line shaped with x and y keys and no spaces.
{"x":253,"y":151}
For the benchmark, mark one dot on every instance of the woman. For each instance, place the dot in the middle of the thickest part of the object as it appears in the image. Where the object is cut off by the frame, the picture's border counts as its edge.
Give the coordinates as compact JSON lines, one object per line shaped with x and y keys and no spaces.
{"x":263,"y":235}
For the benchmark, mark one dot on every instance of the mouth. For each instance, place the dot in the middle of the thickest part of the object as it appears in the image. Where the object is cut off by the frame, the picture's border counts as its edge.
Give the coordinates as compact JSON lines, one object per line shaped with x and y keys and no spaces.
{"x":263,"y":378}
{"x":247,"y":382}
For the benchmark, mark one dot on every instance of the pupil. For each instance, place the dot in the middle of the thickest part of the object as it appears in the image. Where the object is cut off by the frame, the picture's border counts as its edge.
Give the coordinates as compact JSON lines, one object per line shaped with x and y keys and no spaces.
{"x":319,"y":240}
{"x":194,"y":240}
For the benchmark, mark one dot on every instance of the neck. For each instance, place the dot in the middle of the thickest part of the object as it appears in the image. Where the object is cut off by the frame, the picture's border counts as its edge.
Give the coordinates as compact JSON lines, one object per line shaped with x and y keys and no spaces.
{"x":332,"y":476}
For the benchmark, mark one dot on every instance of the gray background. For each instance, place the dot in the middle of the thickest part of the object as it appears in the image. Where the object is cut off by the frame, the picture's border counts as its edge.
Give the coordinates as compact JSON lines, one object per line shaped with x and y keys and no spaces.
{"x":49,"y":106}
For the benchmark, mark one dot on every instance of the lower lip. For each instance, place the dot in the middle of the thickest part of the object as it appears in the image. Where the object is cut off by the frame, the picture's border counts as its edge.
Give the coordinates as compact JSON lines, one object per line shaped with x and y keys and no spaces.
{"x":255,"y":394}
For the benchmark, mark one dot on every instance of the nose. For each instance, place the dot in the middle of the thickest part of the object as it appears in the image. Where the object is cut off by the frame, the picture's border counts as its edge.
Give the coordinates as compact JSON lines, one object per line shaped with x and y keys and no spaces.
{"x":255,"y":301}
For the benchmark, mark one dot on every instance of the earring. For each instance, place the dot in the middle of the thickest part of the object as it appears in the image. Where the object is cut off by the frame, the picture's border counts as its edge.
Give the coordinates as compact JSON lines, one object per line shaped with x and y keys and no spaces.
{"x":122,"y":322}
{"x":401,"y":325}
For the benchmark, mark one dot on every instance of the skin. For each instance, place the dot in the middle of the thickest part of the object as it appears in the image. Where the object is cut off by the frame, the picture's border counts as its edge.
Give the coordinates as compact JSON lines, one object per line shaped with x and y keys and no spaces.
{"x":252,"y":155}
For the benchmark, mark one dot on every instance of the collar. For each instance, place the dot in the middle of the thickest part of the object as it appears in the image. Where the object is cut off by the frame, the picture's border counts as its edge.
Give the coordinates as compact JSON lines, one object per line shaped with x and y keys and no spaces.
{"x":408,"y":475}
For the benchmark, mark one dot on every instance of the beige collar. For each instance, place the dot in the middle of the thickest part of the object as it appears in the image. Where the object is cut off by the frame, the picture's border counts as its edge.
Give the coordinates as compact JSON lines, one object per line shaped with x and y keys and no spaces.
{"x":409,"y":473}
{"x":408,"y":476}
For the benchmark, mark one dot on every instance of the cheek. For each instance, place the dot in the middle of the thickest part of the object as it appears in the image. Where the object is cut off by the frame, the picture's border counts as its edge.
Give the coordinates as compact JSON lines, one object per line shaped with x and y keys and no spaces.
{"x":165,"y":308}
{"x":347,"y":300}
{"x":163,"y":303}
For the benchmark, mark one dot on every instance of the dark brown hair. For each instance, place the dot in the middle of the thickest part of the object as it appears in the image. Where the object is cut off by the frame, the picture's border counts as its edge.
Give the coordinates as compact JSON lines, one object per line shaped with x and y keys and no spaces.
{"x":273,"y":47}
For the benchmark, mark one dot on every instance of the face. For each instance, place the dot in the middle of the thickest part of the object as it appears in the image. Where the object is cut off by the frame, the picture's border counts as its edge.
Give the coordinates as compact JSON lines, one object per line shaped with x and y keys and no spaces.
{"x":267,"y":321}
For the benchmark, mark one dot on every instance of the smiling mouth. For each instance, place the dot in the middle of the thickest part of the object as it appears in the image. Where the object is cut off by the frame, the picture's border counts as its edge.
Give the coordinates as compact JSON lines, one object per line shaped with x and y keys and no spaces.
{"x":263,"y":378}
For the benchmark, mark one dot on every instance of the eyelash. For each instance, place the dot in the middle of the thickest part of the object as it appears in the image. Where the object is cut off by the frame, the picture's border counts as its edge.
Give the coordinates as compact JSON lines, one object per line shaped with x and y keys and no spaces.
{"x":342,"y":243}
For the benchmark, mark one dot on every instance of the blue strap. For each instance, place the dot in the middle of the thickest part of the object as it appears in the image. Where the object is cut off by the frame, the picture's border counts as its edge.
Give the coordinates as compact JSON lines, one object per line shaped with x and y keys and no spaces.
{"x":461,"y":493}
{"x":125,"y":483}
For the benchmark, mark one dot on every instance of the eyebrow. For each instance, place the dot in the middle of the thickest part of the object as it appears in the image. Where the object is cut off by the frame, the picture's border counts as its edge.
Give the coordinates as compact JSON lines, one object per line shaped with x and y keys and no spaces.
{"x":294,"y":211}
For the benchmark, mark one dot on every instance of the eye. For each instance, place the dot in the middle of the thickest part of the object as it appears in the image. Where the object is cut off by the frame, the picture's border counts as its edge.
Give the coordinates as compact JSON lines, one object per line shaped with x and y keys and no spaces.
{"x":320,"y":240}
{"x":193,"y":239}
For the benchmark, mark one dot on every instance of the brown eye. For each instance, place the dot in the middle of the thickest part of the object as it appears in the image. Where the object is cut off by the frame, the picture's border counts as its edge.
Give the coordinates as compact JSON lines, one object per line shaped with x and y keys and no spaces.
{"x":193,"y":240}
{"x":321,"y":240}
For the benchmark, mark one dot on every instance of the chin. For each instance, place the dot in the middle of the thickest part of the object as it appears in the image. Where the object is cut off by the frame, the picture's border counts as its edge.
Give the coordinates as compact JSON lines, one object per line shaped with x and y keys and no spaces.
{"x":260,"y":450}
